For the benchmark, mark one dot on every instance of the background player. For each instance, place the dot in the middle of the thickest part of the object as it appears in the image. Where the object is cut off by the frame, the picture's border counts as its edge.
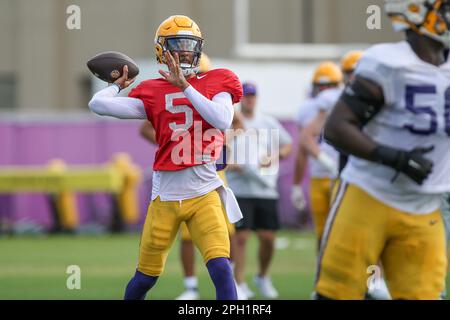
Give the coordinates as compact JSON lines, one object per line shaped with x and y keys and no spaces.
{"x":327,"y":82}
{"x":392,"y":120}
{"x":185,"y":182}
{"x":311,"y":119}
{"x":348,"y":66}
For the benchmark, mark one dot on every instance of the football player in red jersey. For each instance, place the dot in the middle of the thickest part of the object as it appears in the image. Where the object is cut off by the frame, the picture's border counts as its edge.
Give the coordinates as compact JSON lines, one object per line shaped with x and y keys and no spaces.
{"x":189,"y":113}
{"x":187,"y":247}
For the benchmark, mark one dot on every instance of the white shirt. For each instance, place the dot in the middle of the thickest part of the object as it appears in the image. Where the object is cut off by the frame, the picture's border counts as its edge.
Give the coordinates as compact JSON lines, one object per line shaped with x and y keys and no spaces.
{"x":254,"y":181}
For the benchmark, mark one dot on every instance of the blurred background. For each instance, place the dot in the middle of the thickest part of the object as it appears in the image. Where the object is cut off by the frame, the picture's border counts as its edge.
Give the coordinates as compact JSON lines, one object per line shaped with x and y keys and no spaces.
{"x":46,"y":127}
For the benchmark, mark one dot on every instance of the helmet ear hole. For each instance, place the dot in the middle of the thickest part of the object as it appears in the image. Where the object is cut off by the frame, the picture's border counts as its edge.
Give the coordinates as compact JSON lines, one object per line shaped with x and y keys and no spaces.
{"x":159,"y":53}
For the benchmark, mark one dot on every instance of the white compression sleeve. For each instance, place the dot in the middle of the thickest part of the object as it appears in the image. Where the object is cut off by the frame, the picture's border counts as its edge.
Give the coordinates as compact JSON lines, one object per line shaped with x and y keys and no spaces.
{"x":218,"y":112}
{"x":106,"y":103}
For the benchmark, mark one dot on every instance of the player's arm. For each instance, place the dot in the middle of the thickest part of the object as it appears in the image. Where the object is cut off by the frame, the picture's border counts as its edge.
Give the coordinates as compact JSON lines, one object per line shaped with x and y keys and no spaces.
{"x":285,"y":144}
{"x":298,"y":198}
{"x":311,"y":132}
{"x":237,"y":127}
{"x":285,"y":141}
{"x":301,"y":161}
{"x":359,"y":103}
{"x":285,"y":151}
{"x":148,"y":132}
{"x":218,"y":112}
{"x":238,"y":120}
{"x":343,"y":128}
{"x":301,"y":157}
{"x":107,"y":103}
{"x":309,"y":141}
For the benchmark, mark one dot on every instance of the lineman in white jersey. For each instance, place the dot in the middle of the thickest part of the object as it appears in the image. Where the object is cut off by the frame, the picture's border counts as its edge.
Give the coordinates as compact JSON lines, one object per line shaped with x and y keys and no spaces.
{"x":393,"y":119}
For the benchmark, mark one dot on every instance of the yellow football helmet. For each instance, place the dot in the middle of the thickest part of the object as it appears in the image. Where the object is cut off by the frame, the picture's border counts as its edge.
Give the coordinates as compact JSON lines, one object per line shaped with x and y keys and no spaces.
{"x":327,"y":73}
{"x":205,"y":63}
{"x":350,"y":60}
{"x":179,"y":34}
{"x":427,"y":17}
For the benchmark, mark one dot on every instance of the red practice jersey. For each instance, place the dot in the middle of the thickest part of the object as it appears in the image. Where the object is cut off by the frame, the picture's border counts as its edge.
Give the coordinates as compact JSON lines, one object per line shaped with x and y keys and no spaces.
{"x":184,"y":138}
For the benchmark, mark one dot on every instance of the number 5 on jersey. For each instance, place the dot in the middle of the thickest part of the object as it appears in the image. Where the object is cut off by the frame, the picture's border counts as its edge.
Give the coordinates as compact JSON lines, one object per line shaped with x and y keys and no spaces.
{"x":188,"y":113}
{"x":411,"y":93}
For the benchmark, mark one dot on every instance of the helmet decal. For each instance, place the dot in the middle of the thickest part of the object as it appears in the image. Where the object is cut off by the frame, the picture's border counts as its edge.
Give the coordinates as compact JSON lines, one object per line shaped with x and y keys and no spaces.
{"x":430,"y":18}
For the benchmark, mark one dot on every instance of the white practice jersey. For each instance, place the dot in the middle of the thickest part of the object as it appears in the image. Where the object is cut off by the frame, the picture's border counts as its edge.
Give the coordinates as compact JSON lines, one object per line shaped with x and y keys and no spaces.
{"x":308,"y":111}
{"x":416,"y":114}
{"x":326,"y":100}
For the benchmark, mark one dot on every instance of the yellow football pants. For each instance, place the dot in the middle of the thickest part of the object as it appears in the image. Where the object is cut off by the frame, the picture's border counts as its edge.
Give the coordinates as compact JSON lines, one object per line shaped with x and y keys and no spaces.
{"x":361,"y":231}
{"x":320,"y":195}
{"x":205,"y":220}
{"x":185,"y":236}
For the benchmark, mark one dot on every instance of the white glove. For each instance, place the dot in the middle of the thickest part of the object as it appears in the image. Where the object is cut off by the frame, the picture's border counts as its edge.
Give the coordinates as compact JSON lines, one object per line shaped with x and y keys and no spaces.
{"x":328,"y":163}
{"x":298,"y":198}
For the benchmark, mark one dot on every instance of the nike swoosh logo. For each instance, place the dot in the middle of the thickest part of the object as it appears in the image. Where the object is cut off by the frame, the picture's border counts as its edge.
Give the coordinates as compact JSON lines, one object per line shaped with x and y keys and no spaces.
{"x":201,"y":77}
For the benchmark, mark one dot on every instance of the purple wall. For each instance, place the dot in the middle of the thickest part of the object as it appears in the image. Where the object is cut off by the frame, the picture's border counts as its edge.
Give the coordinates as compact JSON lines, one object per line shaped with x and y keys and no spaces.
{"x":92,"y":142}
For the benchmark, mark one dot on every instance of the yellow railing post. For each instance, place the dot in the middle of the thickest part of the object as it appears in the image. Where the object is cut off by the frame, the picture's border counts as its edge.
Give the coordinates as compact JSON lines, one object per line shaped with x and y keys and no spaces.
{"x":127,"y":198}
{"x":66,"y":205}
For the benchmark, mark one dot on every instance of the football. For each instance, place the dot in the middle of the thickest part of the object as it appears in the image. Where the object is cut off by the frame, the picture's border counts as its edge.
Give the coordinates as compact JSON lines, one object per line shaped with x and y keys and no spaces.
{"x":108,"y":66}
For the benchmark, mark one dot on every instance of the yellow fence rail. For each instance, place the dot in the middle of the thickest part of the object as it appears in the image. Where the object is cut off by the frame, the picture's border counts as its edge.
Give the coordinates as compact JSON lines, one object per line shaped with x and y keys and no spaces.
{"x":119,"y":177}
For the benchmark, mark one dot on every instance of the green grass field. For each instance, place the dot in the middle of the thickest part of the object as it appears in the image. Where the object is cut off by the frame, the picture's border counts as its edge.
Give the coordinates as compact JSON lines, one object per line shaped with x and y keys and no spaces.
{"x":35,"y":267}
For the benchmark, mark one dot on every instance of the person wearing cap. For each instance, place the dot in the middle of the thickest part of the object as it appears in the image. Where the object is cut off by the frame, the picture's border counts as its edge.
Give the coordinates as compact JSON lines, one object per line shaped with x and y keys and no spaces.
{"x":255,"y":186}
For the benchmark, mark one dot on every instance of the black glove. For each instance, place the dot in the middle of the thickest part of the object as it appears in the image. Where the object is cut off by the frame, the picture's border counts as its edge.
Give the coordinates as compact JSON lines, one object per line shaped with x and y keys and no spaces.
{"x":412,"y":163}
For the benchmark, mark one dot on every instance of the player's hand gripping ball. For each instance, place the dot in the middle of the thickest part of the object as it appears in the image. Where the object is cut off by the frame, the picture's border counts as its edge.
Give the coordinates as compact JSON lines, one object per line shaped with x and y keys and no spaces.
{"x":110,"y":67}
